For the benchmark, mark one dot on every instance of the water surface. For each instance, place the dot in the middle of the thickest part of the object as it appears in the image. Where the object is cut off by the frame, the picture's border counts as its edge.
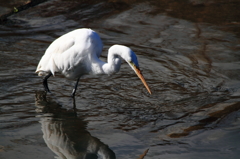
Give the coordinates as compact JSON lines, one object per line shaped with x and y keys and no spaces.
{"x":190,"y":62}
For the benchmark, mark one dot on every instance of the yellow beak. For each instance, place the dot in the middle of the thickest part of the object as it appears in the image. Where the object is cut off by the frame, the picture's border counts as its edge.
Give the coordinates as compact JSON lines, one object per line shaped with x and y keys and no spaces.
{"x":139,"y":74}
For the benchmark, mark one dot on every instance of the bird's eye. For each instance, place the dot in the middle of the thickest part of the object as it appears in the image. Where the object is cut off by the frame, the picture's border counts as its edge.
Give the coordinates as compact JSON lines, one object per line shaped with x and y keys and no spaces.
{"x":132,"y":63}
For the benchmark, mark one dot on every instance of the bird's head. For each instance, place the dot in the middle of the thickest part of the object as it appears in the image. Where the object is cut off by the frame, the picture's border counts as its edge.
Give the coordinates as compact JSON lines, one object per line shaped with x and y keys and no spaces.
{"x":130,"y":57}
{"x":134,"y":65}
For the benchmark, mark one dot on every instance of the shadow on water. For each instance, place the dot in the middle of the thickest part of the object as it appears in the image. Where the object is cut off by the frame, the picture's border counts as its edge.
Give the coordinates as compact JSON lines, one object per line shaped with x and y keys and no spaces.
{"x":65,"y":132}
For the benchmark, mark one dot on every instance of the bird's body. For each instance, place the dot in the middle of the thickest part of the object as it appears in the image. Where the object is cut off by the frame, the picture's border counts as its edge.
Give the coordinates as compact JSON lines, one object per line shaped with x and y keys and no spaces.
{"x":73,"y":55}
{"x":77,"y":53}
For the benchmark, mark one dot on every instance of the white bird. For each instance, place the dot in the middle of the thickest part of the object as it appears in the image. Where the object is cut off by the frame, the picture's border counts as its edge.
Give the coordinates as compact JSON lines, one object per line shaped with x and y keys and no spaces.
{"x":77,"y":53}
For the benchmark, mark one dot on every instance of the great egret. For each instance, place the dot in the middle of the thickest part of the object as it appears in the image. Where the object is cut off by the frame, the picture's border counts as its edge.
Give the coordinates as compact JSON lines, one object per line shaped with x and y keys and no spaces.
{"x":77,"y":53}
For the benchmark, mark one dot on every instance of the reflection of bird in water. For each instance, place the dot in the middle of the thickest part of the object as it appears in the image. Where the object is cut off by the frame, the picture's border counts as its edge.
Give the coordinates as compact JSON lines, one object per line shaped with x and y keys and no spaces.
{"x":65,"y":133}
{"x":77,"y":53}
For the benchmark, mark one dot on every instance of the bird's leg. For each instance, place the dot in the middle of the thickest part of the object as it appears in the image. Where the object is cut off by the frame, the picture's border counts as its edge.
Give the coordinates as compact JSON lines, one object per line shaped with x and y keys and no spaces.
{"x":74,"y":105}
{"x":75,"y":88}
{"x":45,"y":84}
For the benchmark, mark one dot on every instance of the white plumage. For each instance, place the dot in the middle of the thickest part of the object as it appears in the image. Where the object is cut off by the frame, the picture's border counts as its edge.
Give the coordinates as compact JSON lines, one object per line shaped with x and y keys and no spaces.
{"x":77,"y":53}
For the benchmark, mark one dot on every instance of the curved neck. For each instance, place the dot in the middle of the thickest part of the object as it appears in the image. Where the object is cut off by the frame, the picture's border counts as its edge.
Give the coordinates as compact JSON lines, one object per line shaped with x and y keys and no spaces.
{"x":113,"y":62}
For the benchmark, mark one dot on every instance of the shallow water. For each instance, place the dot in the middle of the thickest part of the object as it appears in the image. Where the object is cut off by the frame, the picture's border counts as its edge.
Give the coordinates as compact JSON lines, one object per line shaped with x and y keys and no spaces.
{"x":190,"y":62}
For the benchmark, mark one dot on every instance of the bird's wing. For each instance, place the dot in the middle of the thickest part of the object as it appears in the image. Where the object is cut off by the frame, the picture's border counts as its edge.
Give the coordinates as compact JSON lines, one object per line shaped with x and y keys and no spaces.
{"x":60,"y":45}
{"x":74,"y":48}
{"x":57,"y":47}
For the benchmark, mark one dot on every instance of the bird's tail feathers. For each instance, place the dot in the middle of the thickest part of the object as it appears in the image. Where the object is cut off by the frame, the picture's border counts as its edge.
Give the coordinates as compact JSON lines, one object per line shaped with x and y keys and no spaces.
{"x":42,"y":73}
{"x":44,"y":68}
